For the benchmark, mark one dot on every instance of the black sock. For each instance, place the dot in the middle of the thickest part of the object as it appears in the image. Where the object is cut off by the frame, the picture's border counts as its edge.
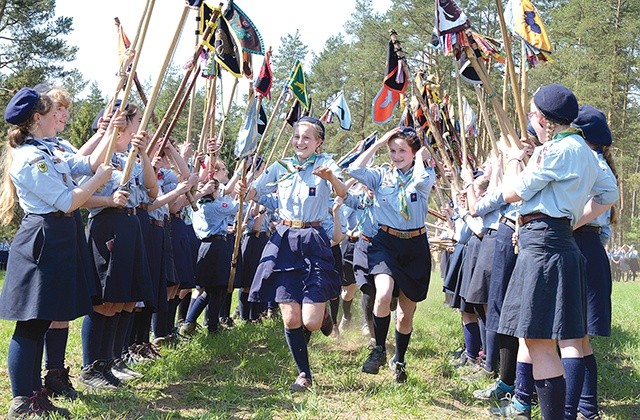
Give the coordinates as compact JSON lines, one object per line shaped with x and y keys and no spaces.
{"x":346,"y":309}
{"x":255,"y":310}
{"x":574,"y":378}
{"x":508,"y":357}
{"x":159,"y":322}
{"x":298,"y":347}
{"x":144,"y":328}
{"x":109,"y":336}
{"x":334,"y":306}
{"x":381,"y":328}
{"x":491,"y":352}
{"x":122,"y":333}
{"x":244,"y":305}
{"x":55,"y":341}
{"x":217,"y":301}
{"x":472,"y":342}
{"x":225,"y":308}
{"x":307,"y":334}
{"x":589,"y":396}
{"x":23,"y":356}
{"x":171,"y":313}
{"x":92,"y":330}
{"x":183,"y":307}
{"x":402,"y":343}
{"x":551,"y":396}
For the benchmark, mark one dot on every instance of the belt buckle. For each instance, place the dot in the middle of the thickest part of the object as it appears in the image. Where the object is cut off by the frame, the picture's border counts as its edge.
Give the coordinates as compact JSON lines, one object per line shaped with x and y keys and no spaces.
{"x":297,"y":224}
{"x":403,"y":235}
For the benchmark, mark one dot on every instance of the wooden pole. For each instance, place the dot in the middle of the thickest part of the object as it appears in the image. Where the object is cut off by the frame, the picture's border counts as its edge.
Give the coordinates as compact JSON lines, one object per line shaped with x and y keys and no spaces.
{"x":463,"y":134}
{"x":238,"y":238}
{"x":487,"y":122}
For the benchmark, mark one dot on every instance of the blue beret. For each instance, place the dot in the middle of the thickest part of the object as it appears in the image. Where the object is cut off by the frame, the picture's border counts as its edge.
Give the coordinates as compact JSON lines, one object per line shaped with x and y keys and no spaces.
{"x":477,"y":173}
{"x":594,"y":126}
{"x":557,"y":103}
{"x":531,"y":130}
{"x":20,"y":107}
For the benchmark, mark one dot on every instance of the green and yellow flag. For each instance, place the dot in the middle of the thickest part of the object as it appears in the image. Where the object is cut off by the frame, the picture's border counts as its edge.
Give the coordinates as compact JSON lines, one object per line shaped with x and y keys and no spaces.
{"x":298,"y":85}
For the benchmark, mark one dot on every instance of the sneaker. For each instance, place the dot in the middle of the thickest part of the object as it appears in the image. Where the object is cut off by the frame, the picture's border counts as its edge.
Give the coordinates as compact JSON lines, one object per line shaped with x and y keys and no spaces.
{"x":377,"y":358}
{"x":45,"y":403}
{"x":148,"y":351}
{"x":365,"y":330}
{"x":345,"y":324}
{"x":227,"y":323}
{"x":302,"y":383}
{"x":509,"y":411}
{"x":92,"y":376}
{"x":583,"y":417}
{"x":26,"y":408}
{"x":169,"y":341}
{"x":399,"y":371}
{"x":466,"y":360}
{"x":188,"y":329}
{"x":327,"y":324}
{"x":109,"y":376}
{"x":494,"y":392}
{"x":58,"y":384}
{"x":121,"y":371}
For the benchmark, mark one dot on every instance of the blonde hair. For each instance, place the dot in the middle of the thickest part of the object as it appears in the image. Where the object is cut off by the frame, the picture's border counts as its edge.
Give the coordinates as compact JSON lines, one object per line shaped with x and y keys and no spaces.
{"x":60,"y":97}
{"x":16,"y":136}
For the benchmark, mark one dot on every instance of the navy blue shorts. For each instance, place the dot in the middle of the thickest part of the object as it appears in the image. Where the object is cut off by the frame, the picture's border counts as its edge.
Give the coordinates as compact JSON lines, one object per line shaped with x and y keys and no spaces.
{"x":407,"y":261}
{"x":214,"y":262}
{"x":598,"y":283}
{"x":504,"y":259}
{"x":297,"y":265}
{"x":546,"y":295}
{"x":348,"y":276}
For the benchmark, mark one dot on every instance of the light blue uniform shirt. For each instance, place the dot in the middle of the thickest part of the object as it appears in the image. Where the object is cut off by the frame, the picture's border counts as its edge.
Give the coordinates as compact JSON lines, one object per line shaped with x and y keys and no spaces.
{"x":361,"y":206}
{"x":557,"y":181}
{"x":212,"y":216}
{"x":605,"y":218}
{"x":488,"y":207}
{"x":43,"y":176}
{"x":303,"y":196}
{"x":386,"y":205}
{"x":167,"y":182}
{"x":136,"y":188}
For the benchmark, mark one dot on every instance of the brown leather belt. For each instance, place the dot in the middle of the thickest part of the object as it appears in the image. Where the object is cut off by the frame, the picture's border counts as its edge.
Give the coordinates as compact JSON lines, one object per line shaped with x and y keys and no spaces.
{"x":352,"y":239}
{"x":299,"y":224}
{"x":533,"y":216}
{"x":214,"y":238}
{"x":510,"y":223}
{"x":404,"y":234}
{"x":154,"y":222}
{"x":59,"y":214}
{"x":176,"y":215}
{"x":130,"y":211}
{"x":366,"y":238}
{"x":589,"y":229}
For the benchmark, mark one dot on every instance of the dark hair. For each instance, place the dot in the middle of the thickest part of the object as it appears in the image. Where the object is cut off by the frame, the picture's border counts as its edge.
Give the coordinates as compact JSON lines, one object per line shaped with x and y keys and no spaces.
{"x":409,"y":135}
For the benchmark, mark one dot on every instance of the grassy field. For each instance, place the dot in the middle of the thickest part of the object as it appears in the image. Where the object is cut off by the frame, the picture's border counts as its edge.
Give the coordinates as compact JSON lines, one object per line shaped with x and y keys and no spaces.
{"x":245,"y":373}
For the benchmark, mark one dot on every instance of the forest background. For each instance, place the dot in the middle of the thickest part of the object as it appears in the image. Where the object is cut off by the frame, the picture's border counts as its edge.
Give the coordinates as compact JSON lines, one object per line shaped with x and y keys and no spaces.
{"x":595,"y":54}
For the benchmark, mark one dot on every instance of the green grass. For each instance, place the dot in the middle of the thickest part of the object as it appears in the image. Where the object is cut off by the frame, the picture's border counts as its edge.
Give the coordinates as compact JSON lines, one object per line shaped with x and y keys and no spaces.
{"x":245,"y":373}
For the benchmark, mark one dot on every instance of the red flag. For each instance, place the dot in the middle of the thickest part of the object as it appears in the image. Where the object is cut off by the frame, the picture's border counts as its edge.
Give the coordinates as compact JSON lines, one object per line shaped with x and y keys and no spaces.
{"x":384,"y":104}
{"x":265,"y":78}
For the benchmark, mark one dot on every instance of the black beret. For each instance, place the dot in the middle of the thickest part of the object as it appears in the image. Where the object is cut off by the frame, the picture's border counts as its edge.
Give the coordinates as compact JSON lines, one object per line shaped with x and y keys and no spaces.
{"x":20,"y":107}
{"x":594,"y":126}
{"x":557,"y":103}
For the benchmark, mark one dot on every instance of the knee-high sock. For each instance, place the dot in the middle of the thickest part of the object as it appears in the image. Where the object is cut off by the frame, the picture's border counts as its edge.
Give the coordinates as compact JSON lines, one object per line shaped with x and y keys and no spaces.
{"x":472,"y":340}
{"x":551,"y":396}
{"x":298,"y":347}
{"x":334,"y":307}
{"x":402,"y":343}
{"x":55,"y":344}
{"x":244,"y":305}
{"x":108,"y":336}
{"x":143,"y":326}
{"x":588,"y":405}
{"x":121,"y":334}
{"x":508,"y":357}
{"x":524,"y":384}
{"x":24,"y":356}
{"x":346,"y":309}
{"x":574,"y":378}
{"x":159,"y":321}
{"x":219,"y":297}
{"x":381,"y":328}
{"x":183,"y":307}
{"x":491,"y":352}
{"x":171,"y":314}
{"x":225,"y":308}
{"x":196,"y":308}
{"x":92,"y":330}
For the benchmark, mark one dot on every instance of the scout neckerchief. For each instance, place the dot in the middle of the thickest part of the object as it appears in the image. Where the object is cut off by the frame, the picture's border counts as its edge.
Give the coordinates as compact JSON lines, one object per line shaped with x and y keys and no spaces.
{"x":293,"y":167}
{"x":365,"y":205}
{"x":401,"y":180}
{"x":558,"y":136}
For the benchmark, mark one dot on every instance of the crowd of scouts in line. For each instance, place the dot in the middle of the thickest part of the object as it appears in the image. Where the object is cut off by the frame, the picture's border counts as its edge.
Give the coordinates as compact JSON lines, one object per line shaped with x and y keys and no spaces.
{"x":144,"y":251}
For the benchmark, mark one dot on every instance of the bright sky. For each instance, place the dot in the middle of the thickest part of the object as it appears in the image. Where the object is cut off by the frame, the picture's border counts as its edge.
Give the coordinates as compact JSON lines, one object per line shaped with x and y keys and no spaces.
{"x":95,"y":33}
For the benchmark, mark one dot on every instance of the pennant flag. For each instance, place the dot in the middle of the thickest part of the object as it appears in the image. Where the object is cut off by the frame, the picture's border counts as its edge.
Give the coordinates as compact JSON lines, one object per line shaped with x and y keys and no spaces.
{"x":227,"y":53}
{"x":262,"y":120}
{"x":298,"y":85}
{"x":327,"y":117}
{"x":349,"y":158}
{"x":384,"y":104}
{"x":294,"y":113}
{"x":247,"y":65}
{"x":469,"y":116}
{"x":265,"y":78}
{"x":396,"y":70}
{"x":523,"y":21}
{"x":248,"y":36}
{"x":247,"y":140}
{"x":340,"y":108}
{"x":206,"y":11}
{"x":195,"y":3}
{"x":450,"y":18}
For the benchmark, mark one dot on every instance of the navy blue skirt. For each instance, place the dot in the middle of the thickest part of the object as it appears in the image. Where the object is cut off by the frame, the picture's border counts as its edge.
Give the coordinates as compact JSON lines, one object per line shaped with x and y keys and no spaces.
{"x":471,"y":251}
{"x":297,"y":265}
{"x":598,"y":283}
{"x":546,"y":295}
{"x":214,"y":262}
{"x":183,"y":259}
{"x":120,"y":257}
{"x":157,"y":268}
{"x":478,"y":287}
{"x":407,"y":261}
{"x":46,"y":276}
{"x":504,"y":259}
{"x":445,"y":259}
{"x":451,"y":281}
{"x":251,"y":249}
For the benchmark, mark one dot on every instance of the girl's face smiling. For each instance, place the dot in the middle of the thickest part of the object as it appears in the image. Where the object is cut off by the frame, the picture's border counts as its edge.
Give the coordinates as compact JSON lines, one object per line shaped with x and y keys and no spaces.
{"x":401,"y":154}
{"x":62,"y":117}
{"x":305,"y":141}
